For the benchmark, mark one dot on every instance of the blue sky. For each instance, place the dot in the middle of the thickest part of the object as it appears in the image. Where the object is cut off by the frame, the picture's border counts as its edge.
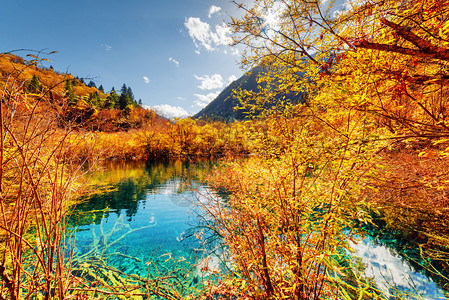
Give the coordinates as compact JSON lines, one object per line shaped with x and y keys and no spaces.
{"x":173,"y":54}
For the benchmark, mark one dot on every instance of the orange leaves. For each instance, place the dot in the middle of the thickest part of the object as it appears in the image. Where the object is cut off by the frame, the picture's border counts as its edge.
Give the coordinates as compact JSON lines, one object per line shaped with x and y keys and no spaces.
{"x":412,"y":190}
{"x":33,"y":56}
{"x":295,"y":192}
{"x":318,"y":160}
{"x":399,"y":62}
{"x":159,"y":139}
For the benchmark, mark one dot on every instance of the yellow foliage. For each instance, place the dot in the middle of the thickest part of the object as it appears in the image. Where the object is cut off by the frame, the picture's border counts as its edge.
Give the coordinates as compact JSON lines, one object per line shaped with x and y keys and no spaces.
{"x":373,"y":77}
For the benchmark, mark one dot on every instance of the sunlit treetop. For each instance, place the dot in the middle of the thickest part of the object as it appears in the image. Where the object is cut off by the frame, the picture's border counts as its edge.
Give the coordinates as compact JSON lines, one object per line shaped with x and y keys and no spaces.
{"x":388,"y":57}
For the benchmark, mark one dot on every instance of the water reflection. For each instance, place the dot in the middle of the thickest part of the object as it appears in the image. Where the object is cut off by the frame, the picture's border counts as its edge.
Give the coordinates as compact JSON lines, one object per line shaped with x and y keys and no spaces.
{"x":121,"y":188}
{"x":411,"y":254}
{"x":144,"y":213}
{"x":393,"y":274}
{"x":137,"y":221}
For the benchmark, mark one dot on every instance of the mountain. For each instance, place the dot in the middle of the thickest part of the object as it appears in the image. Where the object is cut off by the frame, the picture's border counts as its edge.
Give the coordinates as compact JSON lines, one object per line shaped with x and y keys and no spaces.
{"x":222,"y":107}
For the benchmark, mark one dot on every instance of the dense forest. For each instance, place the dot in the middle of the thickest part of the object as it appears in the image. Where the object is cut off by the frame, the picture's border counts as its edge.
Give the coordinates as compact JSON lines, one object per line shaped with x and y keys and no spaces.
{"x":367,"y":146}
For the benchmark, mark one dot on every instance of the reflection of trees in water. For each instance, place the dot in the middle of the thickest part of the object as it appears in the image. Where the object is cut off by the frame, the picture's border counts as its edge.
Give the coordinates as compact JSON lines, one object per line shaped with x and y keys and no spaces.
{"x":121,"y":187}
{"x":432,"y":261}
{"x":117,"y":259}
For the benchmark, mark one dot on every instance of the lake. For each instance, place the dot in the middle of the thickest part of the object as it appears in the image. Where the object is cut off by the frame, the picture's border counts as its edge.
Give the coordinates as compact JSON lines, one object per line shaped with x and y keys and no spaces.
{"x":142,"y":220}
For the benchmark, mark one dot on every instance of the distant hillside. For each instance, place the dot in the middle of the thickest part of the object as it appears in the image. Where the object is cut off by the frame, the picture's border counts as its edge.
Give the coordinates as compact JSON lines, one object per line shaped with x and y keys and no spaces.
{"x":37,"y":79}
{"x":81,"y":105}
{"x":222,"y":107}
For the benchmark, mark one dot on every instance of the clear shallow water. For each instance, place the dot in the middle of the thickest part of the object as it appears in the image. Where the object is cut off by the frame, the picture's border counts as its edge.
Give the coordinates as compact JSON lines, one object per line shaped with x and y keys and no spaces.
{"x":154,"y":229}
{"x":393,"y":274}
{"x":142,"y":216}
{"x":140,"y":221}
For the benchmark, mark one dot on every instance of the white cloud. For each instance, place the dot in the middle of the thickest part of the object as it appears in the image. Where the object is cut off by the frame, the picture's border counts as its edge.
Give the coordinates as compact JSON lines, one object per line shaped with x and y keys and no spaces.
{"x":221,"y":36}
{"x":347,"y":5}
{"x":170,"y":111}
{"x":146,"y":79}
{"x":107,"y":47}
{"x":181,"y":98}
{"x":213,"y":10}
{"x":210,"y":83}
{"x":174,"y":61}
{"x":203,"y":36}
{"x":231,"y":79}
{"x":204,"y":100}
{"x":235,"y":51}
{"x":199,"y":32}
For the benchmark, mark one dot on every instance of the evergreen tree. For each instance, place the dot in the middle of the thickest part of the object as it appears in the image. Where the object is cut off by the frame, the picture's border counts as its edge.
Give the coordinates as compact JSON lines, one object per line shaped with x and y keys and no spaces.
{"x":126,"y":97}
{"x":91,"y":84}
{"x":94,"y":99}
{"x":130,"y":96}
{"x":100,"y":88}
{"x":70,"y":94}
{"x":140,"y":102}
{"x":34,"y":86}
{"x":123,"y":101}
{"x":111,"y":100}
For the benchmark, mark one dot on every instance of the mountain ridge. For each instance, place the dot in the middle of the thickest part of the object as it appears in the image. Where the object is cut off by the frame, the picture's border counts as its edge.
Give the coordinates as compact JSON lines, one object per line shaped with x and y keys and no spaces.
{"x":222,"y":108}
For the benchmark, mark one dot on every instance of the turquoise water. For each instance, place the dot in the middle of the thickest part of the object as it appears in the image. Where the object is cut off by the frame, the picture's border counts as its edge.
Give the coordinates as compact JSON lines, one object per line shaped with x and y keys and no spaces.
{"x":144,"y":221}
{"x":155,"y":223}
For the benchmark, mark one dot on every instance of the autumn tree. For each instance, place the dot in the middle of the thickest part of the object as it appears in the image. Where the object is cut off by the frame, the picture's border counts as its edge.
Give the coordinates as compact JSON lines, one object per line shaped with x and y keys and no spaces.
{"x":36,"y":189}
{"x":372,"y":71}
{"x":396,"y":51}
{"x":112,"y":100}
